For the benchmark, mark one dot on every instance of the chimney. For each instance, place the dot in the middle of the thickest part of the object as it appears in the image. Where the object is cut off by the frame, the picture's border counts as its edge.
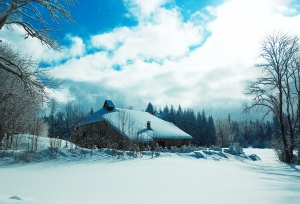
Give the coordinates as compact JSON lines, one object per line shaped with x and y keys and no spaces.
{"x":148,"y":125}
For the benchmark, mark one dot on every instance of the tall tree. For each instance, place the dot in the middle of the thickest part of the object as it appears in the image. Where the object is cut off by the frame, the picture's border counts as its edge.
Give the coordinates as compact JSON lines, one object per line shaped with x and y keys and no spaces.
{"x":166,"y":113}
{"x":179,"y":115}
{"x":172,"y":115}
{"x":150,"y":109}
{"x":212,"y":131}
{"x":22,"y":72}
{"x":53,"y":105}
{"x":274,"y":90}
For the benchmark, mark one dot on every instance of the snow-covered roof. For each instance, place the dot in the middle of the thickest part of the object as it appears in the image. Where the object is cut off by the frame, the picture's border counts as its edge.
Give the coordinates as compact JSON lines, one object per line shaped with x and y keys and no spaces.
{"x":133,"y":124}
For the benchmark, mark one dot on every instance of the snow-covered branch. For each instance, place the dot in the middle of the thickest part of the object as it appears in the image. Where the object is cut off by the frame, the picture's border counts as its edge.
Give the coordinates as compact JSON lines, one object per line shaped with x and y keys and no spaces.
{"x":26,"y":12}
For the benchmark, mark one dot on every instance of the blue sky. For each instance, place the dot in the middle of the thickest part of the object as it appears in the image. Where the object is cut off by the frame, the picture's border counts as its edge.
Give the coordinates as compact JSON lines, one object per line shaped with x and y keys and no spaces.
{"x":104,"y":15}
{"x":195,"y":53}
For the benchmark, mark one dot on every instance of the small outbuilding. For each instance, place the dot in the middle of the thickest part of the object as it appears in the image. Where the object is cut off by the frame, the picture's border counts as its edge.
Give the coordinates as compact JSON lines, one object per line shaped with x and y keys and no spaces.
{"x":119,"y":127}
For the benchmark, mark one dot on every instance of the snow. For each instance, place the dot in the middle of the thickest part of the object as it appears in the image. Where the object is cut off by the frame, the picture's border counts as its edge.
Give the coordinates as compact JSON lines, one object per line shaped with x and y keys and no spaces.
{"x":159,"y":128}
{"x":169,"y":178}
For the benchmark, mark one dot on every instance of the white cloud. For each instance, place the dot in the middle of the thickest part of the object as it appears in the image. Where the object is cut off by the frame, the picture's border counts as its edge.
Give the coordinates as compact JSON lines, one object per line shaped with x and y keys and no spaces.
{"x":61,"y":96}
{"x":31,"y":46}
{"x":165,"y":36}
{"x":157,"y":61}
{"x":77,"y":48}
{"x":109,"y":41}
{"x":207,"y":76}
{"x":144,"y":8}
{"x":286,"y":10}
{"x":39,"y":51}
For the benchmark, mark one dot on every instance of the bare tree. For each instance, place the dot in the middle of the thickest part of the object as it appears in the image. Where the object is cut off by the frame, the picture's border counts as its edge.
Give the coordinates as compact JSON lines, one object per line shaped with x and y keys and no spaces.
{"x":18,"y":109}
{"x":28,"y":15}
{"x":31,"y":16}
{"x":25,"y":71}
{"x":274,"y":91}
{"x":223,"y":132}
{"x":23,"y":83}
{"x":53,"y":105}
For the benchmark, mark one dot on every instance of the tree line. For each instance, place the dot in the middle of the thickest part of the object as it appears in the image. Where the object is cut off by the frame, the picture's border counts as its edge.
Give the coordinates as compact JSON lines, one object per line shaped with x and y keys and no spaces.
{"x":221,"y":132}
{"x":200,"y":127}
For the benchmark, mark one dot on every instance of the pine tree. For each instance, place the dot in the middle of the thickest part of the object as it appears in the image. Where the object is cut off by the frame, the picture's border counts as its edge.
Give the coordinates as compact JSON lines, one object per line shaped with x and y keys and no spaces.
{"x":166,"y":113}
{"x":160,"y":114}
{"x":245,"y":133}
{"x":150,"y":109}
{"x":206,"y":139}
{"x":172,"y":115}
{"x":191,"y":124}
{"x":91,"y":111}
{"x":268,"y":131}
{"x":252,"y":133}
{"x":212,"y":131}
{"x":179,"y":115}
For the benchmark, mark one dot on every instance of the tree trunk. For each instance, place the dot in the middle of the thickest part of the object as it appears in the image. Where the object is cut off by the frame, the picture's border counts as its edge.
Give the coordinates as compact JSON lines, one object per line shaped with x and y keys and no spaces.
{"x":285,"y":150}
{"x":298,"y":144}
{"x":1,"y":137}
{"x":291,"y":148}
{"x":3,"y":20}
{"x":7,"y":13}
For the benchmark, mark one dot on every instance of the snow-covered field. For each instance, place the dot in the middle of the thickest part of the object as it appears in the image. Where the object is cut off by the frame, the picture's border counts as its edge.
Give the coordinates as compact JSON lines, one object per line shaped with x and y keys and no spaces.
{"x":170,"y":178}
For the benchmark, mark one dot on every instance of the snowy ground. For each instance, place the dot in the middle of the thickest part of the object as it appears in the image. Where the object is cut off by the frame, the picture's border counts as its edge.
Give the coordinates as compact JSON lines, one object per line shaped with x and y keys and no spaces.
{"x":170,"y":178}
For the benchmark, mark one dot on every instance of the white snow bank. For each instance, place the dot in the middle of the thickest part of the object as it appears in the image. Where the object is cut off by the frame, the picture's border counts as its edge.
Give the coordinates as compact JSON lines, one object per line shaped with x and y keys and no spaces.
{"x":170,"y":178}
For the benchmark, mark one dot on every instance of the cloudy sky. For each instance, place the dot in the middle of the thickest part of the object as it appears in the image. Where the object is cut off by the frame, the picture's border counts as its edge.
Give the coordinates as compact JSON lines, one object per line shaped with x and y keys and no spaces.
{"x":191,"y":52}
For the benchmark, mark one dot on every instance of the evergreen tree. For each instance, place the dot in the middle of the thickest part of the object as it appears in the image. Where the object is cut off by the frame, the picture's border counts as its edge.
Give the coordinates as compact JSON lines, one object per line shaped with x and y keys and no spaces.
{"x":185,"y":121}
{"x":172,"y":115}
{"x":252,"y":133}
{"x":166,"y":113}
{"x":237,"y":136}
{"x":212,"y":131}
{"x":268,"y":131}
{"x":150,"y":109}
{"x":245,"y":133}
{"x":91,"y":111}
{"x":190,"y":124}
{"x":259,"y":133}
{"x":179,"y":115}
{"x":202,"y":124}
{"x":198,"y":135}
{"x":159,"y":114}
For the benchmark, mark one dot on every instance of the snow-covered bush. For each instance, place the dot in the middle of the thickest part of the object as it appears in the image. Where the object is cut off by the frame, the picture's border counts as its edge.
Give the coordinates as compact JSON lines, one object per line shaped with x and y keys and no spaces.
{"x":191,"y":148}
{"x":215,"y":148}
{"x":184,"y":149}
{"x":254,"y":157}
{"x":157,"y":150}
{"x":173,"y":149}
{"x":166,"y":149}
{"x":234,"y":149}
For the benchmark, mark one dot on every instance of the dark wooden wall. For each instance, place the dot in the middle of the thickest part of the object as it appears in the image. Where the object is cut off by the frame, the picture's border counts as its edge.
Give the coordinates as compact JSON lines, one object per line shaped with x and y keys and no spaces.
{"x":105,"y":136}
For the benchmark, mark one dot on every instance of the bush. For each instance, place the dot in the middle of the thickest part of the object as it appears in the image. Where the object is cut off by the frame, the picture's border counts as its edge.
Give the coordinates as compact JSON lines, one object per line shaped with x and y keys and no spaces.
{"x":173,"y":149}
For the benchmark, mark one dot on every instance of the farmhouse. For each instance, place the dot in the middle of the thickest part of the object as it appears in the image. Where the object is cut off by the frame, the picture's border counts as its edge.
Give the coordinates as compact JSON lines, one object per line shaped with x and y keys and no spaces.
{"x":119,"y":127}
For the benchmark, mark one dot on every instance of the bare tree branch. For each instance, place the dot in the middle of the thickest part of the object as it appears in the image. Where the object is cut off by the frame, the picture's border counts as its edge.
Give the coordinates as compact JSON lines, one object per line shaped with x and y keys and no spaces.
{"x":24,"y":12}
{"x":278,"y":87}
